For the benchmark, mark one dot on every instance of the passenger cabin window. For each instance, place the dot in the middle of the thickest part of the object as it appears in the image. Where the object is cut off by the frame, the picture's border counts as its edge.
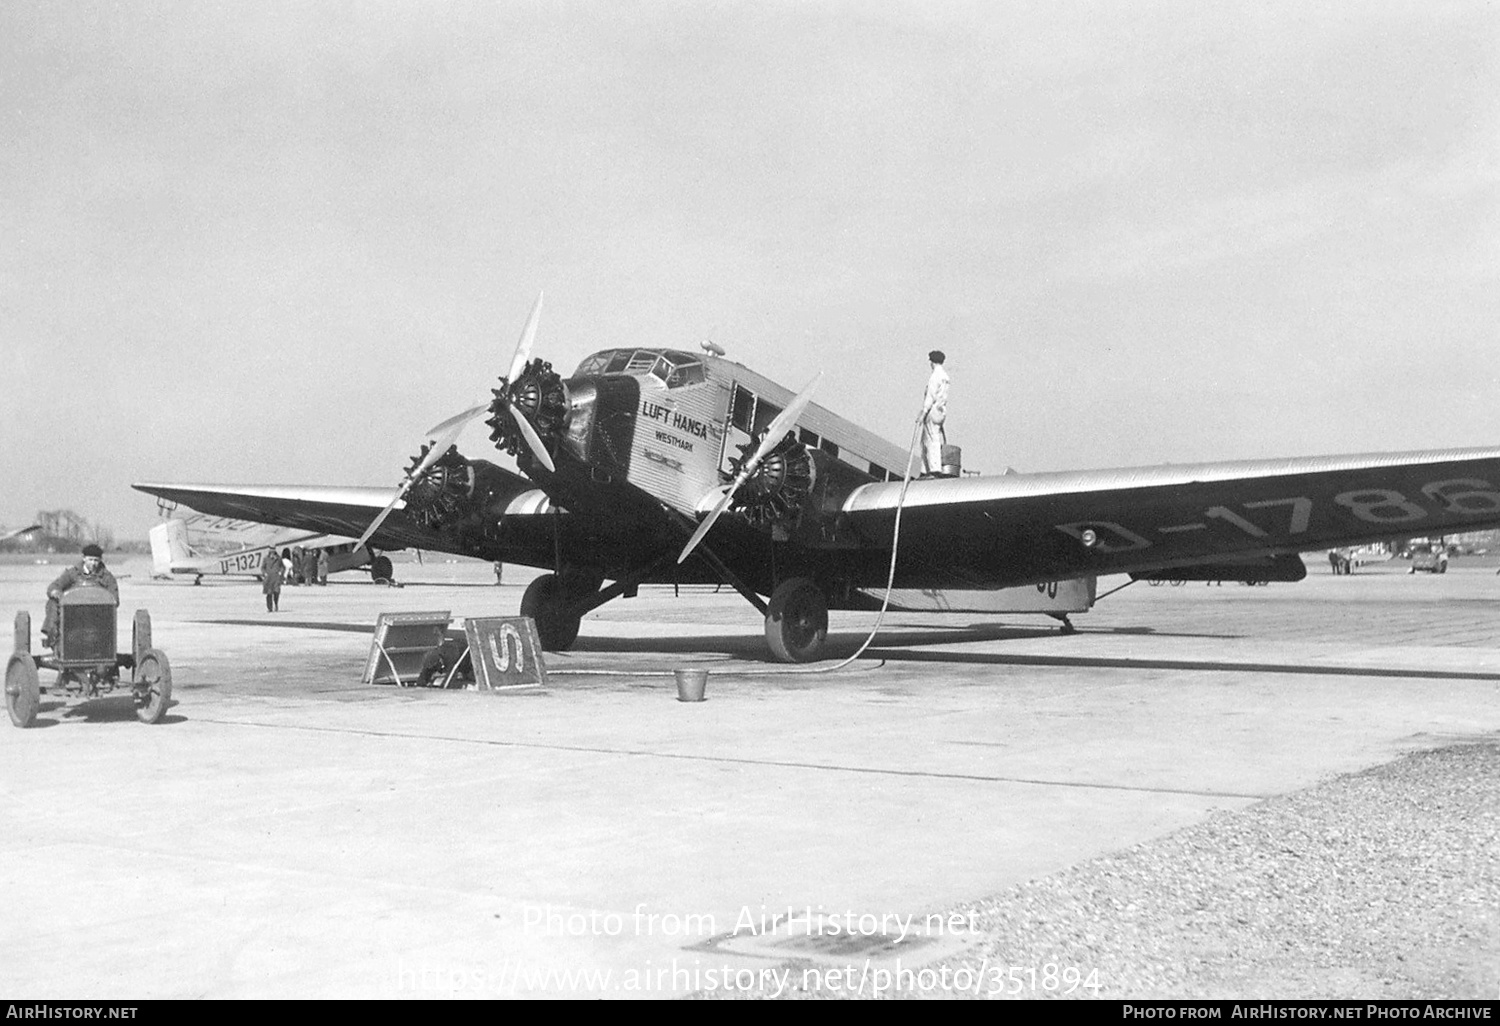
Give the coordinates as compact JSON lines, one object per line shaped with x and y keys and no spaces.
{"x":742,"y":415}
{"x":764,"y":413}
{"x":807,"y":437}
{"x":830,"y":447}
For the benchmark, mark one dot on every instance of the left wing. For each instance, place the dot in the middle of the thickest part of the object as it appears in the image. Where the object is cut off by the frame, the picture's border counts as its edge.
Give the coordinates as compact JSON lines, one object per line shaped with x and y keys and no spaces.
{"x":316,"y":509}
{"x":1029,"y":528}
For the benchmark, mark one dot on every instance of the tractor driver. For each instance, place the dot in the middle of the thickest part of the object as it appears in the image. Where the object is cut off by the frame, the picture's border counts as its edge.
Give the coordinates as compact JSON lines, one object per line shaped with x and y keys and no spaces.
{"x":90,"y":573}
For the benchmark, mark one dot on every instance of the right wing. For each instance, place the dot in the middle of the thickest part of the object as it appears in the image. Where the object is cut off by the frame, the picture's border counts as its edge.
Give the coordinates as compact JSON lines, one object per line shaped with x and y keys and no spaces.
{"x":1028,"y":528}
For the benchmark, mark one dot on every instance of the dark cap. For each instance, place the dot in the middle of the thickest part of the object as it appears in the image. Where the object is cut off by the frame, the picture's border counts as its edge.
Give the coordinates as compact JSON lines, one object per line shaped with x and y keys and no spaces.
{"x":936,"y":356}
{"x":93,"y":550}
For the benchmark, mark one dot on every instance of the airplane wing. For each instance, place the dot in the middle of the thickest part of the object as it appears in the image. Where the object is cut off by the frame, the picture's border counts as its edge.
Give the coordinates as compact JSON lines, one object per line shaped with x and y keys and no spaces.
{"x":1028,"y":528}
{"x":316,"y":509}
{"x":525,"y":527}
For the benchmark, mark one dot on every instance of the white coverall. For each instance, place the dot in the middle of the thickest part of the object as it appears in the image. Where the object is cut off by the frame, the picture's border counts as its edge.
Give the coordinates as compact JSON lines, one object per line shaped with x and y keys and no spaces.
{"x":934,"y":412}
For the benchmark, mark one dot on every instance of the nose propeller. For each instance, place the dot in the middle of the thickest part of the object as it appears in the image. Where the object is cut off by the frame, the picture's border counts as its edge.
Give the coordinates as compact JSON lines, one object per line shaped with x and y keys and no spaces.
{"x":442,"y":436}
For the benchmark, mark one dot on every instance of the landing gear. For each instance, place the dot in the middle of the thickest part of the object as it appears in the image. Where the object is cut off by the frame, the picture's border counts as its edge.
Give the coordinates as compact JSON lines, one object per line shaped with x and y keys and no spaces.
{"x":551,"y":604}
{"x":797,"y":621}
{"x":381,"y":571}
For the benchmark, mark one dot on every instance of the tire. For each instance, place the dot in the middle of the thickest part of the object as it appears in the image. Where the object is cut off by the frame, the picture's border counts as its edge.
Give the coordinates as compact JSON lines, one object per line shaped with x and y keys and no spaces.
{"x":797,"y":621}
{"x":546,"y":601}
{"x":152,"y":686}
{"x":23,"y":689}
{"x":381,"y":569}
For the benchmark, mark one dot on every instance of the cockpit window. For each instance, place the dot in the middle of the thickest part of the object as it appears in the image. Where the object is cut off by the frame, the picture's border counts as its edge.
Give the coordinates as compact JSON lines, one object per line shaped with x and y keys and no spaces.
{"x":671,"y":367}
{"x":643,"y":360}
{"x":689,"y":374}
{"x":592,"y":365}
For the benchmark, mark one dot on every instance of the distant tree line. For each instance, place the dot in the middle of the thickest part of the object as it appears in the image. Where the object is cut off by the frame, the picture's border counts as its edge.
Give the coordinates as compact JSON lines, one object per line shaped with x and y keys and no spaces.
{"x":63,"y":530}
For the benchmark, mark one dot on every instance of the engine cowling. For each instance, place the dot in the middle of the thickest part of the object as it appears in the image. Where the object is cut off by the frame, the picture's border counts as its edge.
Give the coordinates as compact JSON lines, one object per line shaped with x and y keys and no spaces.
{"x":777,"y":490}
{"x":444,"y":493}
{"x":539,"y":395}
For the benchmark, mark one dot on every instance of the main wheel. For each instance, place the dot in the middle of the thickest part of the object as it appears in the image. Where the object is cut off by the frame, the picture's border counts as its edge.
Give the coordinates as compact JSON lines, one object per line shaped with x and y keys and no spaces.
{"x":152,"y":686}
{"x":381,"y":569}
{"x":547,"y":602}
{"x":797,"y":621}
{"x":23,"y":689}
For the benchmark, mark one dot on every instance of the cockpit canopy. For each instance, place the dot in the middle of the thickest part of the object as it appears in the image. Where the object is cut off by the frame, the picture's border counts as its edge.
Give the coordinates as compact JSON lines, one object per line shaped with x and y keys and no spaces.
{"x":672,"y":368}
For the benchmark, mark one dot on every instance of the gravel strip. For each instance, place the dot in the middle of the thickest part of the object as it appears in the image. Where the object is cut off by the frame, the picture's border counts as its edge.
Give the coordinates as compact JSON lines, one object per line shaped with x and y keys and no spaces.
{"x":1383,"y":884}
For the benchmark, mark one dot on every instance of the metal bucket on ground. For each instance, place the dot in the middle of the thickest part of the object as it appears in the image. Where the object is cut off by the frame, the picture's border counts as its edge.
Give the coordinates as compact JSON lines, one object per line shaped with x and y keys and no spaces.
{"x":690,"y":683}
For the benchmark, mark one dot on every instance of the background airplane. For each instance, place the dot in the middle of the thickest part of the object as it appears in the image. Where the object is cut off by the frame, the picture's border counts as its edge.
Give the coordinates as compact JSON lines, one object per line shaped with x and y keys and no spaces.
{"x":8,"y":535}
{"x":199,"y":545}
{"x":653,"y":464}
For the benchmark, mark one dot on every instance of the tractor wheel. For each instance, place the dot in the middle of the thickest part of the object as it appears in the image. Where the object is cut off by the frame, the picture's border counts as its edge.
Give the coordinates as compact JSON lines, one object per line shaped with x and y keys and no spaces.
{"x":23,"y":689}
{"x":152,"y":686}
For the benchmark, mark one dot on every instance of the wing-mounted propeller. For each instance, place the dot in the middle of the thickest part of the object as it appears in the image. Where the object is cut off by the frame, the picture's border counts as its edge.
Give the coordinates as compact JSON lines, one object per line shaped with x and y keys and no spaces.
{"x":442,"y":436}
{"x":444,"y":492}
{"x":774,"y":436}
{"x":775,"y":491}
{"x":442,"y":439}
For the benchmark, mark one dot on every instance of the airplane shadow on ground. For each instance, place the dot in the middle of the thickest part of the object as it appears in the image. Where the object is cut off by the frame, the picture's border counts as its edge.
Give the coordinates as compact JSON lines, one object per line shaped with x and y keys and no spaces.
{"x":307,"y":625}
{"x":1086,"y":662}
{"x":904,"y":645}
{"x":752,"y":647}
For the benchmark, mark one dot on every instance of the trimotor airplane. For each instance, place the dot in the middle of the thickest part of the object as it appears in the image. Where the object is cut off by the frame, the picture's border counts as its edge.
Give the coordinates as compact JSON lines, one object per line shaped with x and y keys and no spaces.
{"x":630,"y":465}
{"x":8,"y":535}
{"x":200,"y":546}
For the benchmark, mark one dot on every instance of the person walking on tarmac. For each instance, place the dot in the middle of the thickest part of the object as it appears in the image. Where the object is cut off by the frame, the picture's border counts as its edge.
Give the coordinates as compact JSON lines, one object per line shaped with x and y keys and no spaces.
{"x":934,"y":413}
{"x":322,"y":566}
{"x":272,"y":573}
{"x":89,"y":573}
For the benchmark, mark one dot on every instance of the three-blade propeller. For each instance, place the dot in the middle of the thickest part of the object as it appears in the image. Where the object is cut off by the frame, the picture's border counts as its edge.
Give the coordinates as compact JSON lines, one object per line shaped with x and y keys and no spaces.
{"x":778,"y":427}
{"x":442,"y":436}
{"x":441,"y":441}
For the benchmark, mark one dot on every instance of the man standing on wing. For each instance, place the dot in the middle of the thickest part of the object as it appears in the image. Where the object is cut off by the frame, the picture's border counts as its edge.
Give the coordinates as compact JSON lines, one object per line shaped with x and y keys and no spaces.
{"x":934,"y":413}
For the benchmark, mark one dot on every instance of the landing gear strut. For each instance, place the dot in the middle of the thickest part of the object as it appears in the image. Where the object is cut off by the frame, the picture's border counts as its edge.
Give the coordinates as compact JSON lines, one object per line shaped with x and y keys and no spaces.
{"x":797,"y":621}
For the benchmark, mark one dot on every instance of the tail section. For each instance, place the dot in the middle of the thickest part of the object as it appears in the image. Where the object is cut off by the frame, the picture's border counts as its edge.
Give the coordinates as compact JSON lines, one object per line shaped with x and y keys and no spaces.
{"x":169,"y":547}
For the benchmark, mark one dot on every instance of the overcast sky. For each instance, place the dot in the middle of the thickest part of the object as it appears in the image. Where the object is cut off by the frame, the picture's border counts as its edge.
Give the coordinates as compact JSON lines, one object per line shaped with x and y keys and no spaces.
{"x":274,"y":242}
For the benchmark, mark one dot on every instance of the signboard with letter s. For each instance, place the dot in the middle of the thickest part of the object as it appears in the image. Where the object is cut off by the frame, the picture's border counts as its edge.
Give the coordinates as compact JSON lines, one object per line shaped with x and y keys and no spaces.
{"x":506,"y":652}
